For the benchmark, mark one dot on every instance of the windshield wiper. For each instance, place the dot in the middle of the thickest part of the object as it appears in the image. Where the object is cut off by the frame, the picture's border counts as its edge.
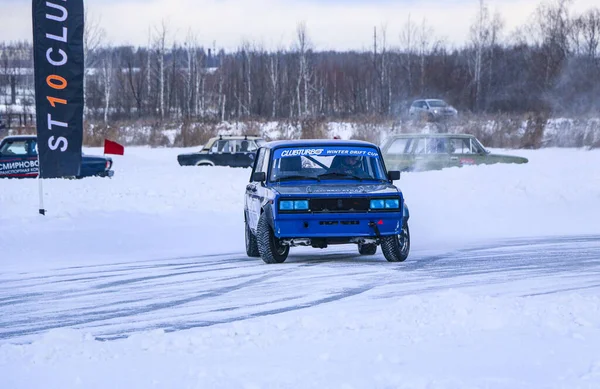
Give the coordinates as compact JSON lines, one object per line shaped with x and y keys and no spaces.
{"x":337,"y":174}
{"x":296,"y":178}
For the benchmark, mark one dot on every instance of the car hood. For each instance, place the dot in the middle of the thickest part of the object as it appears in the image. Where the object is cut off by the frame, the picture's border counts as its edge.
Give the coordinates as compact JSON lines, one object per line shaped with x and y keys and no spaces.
{"x":95,"y":158}
{"x":193,"y":153}
{"x":326,"y":189}
{"x":507,"y":158}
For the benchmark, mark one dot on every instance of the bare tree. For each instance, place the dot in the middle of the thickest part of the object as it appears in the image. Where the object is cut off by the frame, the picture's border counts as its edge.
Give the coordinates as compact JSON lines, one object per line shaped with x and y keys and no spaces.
{"x":587,"y":33}
{"x":190,"y":84}
{"x":479,"y":36}
{"x":93,"y":39}
{"x":495,"y":29}
{"x":135,"y":78}
{"x":425,"y":41}
{"x":200,"y":83}
{"x":551,"y":28}
{"x":385,"y":86}
{"x":149,"y":68}
{"x":247,"y":75}
{"x":107,"y":82}
{"x":274,"y":65}
{"x":160,"y":44}
{"x":10,"y":70}
{"x":408,"y":43}
{"x":303,"y":46}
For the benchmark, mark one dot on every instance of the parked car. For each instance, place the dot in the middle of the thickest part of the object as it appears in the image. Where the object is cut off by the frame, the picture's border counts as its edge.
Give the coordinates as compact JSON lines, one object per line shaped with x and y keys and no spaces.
{"x":420,"y":152}
{"x":431,"y":110}
{"x":19,"y":159}
{"x":234,"y":151}
{"x":324,"y":192}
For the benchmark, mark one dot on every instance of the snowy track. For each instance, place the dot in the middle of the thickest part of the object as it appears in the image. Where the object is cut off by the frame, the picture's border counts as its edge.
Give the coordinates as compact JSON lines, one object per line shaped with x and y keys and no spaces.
{"x":115,"y":300}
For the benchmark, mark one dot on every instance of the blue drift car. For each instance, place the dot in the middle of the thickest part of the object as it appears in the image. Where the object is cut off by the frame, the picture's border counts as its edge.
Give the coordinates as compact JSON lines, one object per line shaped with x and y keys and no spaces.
{"x":320,"y":192}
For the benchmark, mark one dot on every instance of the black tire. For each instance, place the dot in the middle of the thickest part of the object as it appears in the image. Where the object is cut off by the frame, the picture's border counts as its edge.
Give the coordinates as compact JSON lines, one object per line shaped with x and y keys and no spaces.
{"x":251,"y":243}
{"x":396,"y":247}
{"x":367,"y":249}
{"x":268,"y":245}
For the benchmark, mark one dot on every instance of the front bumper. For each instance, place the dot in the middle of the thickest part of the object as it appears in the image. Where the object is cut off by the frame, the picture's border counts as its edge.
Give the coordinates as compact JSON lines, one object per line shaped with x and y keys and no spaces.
{"x":187,"y":159}
{"x":107,"y":173}
{"x":337,"y":225}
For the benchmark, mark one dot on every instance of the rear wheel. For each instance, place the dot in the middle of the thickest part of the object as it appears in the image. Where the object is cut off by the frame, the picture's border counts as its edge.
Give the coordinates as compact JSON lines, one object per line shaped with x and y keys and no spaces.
{"x":396,"y":247}
{"x":367,"y":249}
{"x":271,"y":250}
{"x":251,"y":243}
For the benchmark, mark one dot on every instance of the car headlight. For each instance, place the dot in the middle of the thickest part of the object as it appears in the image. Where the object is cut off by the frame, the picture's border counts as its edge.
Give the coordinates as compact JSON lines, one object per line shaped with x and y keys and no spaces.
{"x":293,"y":205}
{"x":385,"y":204}
{"x":377,"y":204}
{"x":392,"y":203}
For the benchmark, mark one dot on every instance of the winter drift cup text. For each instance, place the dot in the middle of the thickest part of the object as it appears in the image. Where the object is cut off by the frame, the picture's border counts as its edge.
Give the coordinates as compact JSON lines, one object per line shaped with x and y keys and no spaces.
{"x":321,"y":152}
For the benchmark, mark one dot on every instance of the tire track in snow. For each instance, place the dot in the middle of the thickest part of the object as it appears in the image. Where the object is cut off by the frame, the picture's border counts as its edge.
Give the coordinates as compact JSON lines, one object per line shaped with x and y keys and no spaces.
{"x":566,"y":259}
{"x":347,"y":293}
{"x":78,"y":320}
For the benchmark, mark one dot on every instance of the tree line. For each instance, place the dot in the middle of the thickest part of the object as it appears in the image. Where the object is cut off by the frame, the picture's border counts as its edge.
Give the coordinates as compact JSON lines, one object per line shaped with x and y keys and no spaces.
{"x":550,"y":65}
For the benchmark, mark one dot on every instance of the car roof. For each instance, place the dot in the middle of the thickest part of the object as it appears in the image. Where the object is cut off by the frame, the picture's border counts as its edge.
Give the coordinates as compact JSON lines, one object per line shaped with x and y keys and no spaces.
{"x":317,"y":142}
{"x":233,"y":137}
{"x":212,"y":140}
{"x":19,"y":137}
{"x":227,"y":137}
{"x":432,"y":135}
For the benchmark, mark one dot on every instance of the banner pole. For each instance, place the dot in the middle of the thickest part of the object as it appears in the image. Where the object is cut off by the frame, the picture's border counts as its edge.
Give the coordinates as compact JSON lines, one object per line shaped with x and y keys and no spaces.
{"x":42,"y":211}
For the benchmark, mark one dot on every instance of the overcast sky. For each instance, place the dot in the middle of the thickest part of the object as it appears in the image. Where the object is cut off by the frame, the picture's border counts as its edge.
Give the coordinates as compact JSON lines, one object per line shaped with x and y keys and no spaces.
{"x":331,"y":24}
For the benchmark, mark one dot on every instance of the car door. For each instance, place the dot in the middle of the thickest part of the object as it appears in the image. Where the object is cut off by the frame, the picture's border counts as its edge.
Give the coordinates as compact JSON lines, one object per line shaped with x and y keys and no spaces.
{"x":221,"y":153}
{"x":18,"y":159}
{"x":431,"y":153}
{"x":245,"y":152}
{"x":463,"y":152}
{"x":397,"y":154}
{"x":255,"y":191}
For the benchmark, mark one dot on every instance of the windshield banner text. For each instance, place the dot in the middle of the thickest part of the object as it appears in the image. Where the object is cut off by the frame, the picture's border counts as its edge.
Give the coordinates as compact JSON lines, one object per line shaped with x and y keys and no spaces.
{"x":326,"y":152}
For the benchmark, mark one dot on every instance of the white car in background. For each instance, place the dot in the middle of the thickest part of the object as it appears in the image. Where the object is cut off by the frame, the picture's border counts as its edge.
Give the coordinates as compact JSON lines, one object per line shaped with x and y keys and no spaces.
{"x":431,"y":110}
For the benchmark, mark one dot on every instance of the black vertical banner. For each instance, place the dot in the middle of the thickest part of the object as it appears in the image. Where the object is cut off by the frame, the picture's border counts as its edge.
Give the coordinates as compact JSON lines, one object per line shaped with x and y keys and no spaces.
{"x":58,"y":63}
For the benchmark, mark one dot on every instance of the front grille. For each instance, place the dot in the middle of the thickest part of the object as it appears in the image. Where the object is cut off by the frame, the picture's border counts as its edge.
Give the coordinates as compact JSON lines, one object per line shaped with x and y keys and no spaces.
{"x":350,"y":204}
{"x":329,"y":223}
{"x":336,"y":222}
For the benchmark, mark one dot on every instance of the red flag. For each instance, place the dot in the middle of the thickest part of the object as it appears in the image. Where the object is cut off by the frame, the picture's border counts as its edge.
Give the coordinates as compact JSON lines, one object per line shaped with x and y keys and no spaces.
{"x":111,"y":147}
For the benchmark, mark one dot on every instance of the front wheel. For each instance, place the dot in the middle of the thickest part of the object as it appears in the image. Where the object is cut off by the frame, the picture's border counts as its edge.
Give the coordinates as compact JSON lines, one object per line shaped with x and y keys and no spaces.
{"x":271,"y":250}
{"x":396,"y":247}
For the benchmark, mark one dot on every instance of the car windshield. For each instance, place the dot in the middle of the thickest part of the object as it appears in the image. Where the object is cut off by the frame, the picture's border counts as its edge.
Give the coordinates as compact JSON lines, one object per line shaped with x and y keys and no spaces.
{"x":326,"y":163}
{"x":437,"y":103}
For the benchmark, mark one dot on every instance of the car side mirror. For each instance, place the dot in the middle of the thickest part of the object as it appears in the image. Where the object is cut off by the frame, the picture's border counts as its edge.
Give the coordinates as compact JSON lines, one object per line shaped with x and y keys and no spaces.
{"x":394,"y":175}
{"x":259,"y":177}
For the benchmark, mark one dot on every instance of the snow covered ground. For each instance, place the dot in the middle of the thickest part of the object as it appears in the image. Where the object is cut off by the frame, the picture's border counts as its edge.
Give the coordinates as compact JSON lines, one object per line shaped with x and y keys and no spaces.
{"x":141,"y":281}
